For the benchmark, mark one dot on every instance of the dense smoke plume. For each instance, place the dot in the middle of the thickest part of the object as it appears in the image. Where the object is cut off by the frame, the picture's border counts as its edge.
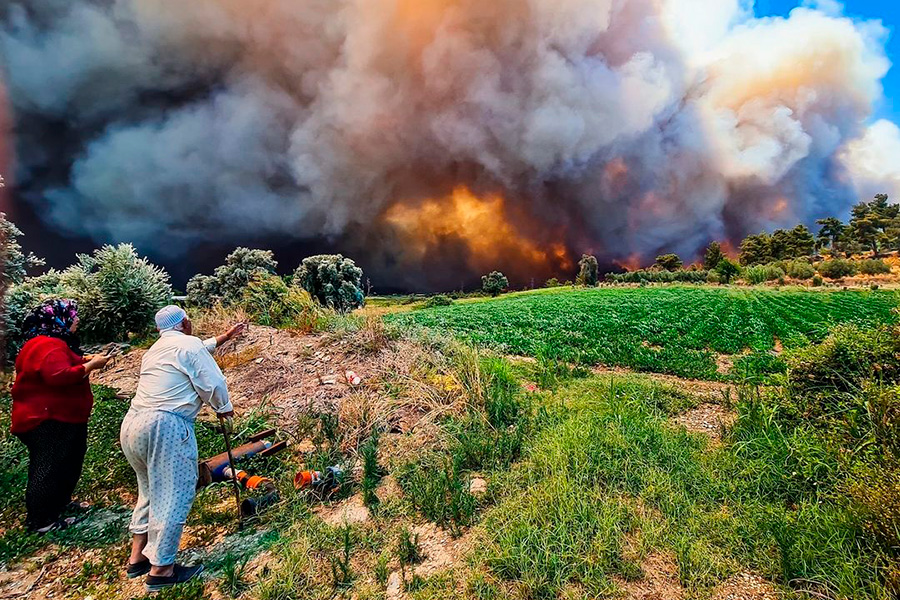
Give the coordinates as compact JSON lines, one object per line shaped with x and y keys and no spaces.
{"x":438,"y":139}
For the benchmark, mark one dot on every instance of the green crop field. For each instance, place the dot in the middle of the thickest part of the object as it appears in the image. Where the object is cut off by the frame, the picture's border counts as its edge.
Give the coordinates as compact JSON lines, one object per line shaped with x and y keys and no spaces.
{"x":677,"y":330}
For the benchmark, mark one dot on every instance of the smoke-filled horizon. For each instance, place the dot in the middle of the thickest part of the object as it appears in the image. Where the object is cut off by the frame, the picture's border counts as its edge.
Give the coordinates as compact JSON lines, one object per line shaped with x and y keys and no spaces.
{"x":434,"y":140}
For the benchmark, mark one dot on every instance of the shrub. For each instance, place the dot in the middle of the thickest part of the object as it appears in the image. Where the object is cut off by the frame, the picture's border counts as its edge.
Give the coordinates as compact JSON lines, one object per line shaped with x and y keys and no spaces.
{"x":494,"y":283}
{"x":269,"y":301}
{"x":821,"y":374}
{"x":203,"y":291}
{"x":837,"y":268}
{"x":552,"y":283}
{"x":332,"y":280}
{"x":656,"y":276}
{"x":799,"y":269}
{"x":372,"y":471}
{"x":727,"y":270}
{"x":229,"y":280}
{"x":588,"y":270}
{"x":817,"y":281}
{"x":873,"y":267}
{"x":14,"y":263}
{"x":438,"y":300}
{"x":762,"y":273}
{"x":19,"y":300}
{"x":669,"y":262}
{"x":713,"y":277}
{"x":438,"y":489}
{"x":118,"y":292}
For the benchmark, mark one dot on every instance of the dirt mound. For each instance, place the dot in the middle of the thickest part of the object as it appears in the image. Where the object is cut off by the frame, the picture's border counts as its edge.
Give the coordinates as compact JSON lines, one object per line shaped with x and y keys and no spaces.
{"x":292,"y":374}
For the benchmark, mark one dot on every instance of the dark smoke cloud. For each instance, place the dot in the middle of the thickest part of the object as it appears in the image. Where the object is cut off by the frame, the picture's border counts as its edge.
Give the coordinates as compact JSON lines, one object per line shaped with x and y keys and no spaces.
{"x":621,"y":127}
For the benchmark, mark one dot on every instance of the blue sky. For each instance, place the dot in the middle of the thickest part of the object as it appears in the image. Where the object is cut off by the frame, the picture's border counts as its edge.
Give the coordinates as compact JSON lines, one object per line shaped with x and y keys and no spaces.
{"x":889,"y":13}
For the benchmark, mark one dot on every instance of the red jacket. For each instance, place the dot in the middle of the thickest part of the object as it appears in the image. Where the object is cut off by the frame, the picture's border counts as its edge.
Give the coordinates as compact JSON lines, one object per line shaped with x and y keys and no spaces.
{"x":51,"y":384}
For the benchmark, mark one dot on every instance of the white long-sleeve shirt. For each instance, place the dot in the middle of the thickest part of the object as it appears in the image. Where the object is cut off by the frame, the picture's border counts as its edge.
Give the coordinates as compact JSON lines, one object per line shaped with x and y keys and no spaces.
{"x":179,"y":375}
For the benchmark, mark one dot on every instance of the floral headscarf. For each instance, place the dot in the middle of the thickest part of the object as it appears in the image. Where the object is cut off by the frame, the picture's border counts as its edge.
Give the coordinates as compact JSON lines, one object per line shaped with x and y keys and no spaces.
{"x":54,"y":318}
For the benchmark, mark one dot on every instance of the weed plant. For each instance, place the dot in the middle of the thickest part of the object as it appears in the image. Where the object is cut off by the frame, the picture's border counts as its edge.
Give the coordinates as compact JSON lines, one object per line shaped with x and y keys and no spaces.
{"x":372,"y":472}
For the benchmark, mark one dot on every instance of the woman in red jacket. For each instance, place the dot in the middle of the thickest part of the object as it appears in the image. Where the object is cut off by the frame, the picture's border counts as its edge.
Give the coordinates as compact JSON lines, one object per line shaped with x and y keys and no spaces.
{"x":52,"y":403}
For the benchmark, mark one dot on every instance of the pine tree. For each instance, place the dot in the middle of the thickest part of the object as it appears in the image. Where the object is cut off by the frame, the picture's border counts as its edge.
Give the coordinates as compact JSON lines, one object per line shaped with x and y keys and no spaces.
{"x":830,"y":232}
{"x":713,"y":256}
{"x":756,"y":249}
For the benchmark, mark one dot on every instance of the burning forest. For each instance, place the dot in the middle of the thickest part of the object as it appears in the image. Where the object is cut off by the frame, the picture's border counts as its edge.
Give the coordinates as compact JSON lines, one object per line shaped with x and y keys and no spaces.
{"x":436,"y":139}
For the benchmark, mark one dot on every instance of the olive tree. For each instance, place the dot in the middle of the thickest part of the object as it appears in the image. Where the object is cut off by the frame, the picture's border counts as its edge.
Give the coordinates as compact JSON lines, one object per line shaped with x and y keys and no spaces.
{"x":331,"y":279}
{"x":494,"y":283}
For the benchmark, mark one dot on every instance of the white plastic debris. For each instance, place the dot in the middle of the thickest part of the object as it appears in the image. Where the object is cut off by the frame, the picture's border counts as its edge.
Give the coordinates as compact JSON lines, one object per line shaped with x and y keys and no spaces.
{"x":353,"y":378}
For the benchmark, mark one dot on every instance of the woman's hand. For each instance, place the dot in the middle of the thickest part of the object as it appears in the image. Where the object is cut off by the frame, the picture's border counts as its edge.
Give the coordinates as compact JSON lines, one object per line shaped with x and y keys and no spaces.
{"x":97,"y":361}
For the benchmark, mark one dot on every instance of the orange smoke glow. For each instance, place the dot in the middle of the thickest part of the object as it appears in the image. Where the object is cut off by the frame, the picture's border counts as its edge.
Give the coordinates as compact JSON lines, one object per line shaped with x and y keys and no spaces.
{"x":480,"y":224}
{"x":729,"y":250}
{"x":632,"y":263}
{"x":779,"y":208}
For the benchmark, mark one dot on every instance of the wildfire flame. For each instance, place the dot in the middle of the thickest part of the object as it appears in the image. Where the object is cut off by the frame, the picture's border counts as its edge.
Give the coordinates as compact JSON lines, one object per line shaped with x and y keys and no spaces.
{"x":631,"y":263}
{"x":481,"y":224}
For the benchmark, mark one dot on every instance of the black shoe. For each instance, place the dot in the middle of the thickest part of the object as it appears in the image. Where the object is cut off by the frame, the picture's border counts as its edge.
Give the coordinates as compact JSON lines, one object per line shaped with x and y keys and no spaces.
{"x":59,"y":525}
{"x":179,"y":575}
{"x":75,"y":509}
{"x":137,"y":569}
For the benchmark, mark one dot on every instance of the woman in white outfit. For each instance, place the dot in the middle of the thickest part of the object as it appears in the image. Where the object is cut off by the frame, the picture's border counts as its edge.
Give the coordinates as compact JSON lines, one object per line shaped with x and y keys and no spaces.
{"x":178,"y":376}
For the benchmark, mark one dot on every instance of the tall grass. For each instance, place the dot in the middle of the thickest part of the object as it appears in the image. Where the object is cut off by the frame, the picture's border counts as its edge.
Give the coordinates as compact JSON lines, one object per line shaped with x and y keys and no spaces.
{"x":613,"y":466}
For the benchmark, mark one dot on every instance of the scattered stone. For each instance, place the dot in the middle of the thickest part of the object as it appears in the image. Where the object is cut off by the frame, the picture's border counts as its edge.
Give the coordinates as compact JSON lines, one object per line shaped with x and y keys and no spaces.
{"x":394,"y":588}
{"x":708,"y":419}
{"x":745,"y":586}
{"x":477,"y":486}
{"x":348,"y":512}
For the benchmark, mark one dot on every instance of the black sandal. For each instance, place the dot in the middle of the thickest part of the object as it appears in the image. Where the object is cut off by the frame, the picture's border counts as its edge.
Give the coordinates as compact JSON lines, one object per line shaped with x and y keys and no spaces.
{"x":58,"y":525}
{"x":77,"y":508}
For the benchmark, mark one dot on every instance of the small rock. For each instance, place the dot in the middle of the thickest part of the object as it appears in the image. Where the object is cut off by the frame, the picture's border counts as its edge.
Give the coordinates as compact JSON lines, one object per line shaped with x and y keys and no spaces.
{"x":394,"y":587}
{"x":328,"y":380}
{"x":259,"y":360}
{"x":477,"y":486}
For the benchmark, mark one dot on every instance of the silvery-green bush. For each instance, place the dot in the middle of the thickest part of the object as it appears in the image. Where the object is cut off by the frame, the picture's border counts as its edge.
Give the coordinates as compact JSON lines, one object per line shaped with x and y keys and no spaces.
{"x":118,"y":292}
{"x":333,"y":280}
{"x":228,"y":281}
{"x":14,"y":263}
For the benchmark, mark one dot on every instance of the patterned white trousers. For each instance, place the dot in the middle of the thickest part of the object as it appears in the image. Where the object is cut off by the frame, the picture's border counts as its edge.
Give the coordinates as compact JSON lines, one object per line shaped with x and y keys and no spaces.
{"x":162,"y":450}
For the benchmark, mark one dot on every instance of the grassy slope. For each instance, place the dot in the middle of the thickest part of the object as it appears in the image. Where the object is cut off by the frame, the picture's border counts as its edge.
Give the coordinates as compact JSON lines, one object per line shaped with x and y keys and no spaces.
{"x":586,"y":479}
{"x":610,"y":473}
{"x":673,"y":329}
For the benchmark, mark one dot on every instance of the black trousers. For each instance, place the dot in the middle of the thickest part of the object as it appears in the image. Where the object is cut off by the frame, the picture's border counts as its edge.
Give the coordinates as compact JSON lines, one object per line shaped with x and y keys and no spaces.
{"x":55,"y":457}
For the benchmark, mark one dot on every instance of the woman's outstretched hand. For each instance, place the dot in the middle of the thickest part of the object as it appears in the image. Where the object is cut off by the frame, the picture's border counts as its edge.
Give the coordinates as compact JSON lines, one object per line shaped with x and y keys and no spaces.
{"x":96,"y":362}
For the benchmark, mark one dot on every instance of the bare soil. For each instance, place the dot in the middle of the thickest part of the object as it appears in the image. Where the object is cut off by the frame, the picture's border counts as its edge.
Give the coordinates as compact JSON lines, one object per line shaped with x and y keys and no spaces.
{"x":660,"y":581}
{"x":708,"y":419}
